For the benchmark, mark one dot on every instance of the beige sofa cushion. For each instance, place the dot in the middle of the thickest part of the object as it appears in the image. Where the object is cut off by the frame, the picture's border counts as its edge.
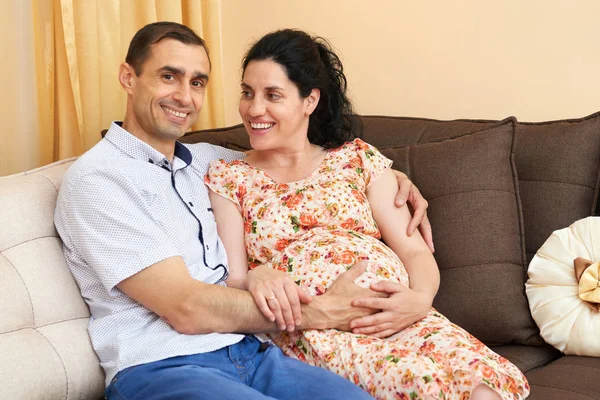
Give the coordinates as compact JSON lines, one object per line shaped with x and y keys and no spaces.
{"x":44,"y":345}
{"x":558,"y":304}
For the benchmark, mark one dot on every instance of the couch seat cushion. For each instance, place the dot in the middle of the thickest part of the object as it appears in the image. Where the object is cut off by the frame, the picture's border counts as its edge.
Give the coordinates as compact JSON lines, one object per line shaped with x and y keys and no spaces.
{"x":528,"y":358}
{"x":569,"y":377}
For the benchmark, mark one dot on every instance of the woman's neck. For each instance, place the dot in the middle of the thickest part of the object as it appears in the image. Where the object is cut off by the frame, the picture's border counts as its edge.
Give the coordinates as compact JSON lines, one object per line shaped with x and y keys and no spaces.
{"x":288,"y":165}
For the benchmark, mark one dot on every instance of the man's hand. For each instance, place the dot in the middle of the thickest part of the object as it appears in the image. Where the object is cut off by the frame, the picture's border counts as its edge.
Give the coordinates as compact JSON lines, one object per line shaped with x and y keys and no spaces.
{"x":335,"y":307}
{"x":402,"y":308}
{"x":409,"y":192}
{"x":277,"y":296}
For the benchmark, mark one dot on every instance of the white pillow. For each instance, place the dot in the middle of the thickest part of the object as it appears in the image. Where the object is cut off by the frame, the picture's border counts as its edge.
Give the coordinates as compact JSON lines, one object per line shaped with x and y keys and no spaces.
{"x":565,"y":320}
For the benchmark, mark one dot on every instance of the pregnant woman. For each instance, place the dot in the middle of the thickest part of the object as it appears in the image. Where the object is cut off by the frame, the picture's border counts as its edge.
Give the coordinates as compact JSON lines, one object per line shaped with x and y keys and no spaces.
{"x":310,"y":202}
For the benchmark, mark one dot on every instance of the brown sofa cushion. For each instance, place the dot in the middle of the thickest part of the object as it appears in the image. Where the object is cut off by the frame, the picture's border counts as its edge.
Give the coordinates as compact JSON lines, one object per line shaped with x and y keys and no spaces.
{"x":556,"y":187}
{"x":559,"y":174}
{"x":471,"y":184}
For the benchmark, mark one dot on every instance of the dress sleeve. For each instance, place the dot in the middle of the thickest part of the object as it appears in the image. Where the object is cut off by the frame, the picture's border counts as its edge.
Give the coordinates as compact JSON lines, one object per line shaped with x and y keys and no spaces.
{"x":223,"y":179}
{"x":374,"y":163}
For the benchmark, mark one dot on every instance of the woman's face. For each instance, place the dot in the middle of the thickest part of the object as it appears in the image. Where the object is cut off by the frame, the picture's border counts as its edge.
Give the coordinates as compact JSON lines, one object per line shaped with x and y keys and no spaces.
{"x":273,"y":112}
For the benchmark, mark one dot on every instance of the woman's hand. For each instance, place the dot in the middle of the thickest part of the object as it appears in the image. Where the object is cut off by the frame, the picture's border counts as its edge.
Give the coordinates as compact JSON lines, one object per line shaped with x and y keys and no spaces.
{"x":402,"y":308}
{"x":409,"y":192}
{"x":277,"y":296}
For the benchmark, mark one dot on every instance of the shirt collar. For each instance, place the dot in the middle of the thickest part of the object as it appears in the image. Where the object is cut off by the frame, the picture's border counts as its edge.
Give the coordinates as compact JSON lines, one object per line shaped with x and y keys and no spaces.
{"x":140,"y":150}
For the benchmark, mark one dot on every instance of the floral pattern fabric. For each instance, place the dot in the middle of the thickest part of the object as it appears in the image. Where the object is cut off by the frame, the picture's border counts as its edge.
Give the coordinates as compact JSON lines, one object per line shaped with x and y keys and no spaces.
{"x":315,"y":229}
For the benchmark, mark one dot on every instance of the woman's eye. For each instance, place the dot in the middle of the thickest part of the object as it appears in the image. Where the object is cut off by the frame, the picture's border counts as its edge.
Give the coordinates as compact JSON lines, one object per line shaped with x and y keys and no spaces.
{"x":274,"y":96}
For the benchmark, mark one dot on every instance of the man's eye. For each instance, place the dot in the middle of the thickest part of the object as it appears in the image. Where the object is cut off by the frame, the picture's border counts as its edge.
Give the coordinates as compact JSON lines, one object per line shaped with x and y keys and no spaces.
{"x":246,"y":94}
{"x":198,"y":84}
{"x":168,"y":77}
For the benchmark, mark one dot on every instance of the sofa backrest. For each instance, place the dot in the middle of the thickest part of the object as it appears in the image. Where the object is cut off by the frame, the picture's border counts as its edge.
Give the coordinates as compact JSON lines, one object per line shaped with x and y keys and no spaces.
{"x":557,"y":166}
{"x":44,"y":345}
{"x":558,"y":162}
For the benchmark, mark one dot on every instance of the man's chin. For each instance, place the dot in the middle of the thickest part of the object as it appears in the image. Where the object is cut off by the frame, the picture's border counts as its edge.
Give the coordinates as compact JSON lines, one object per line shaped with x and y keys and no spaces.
{"x":173,"y":133}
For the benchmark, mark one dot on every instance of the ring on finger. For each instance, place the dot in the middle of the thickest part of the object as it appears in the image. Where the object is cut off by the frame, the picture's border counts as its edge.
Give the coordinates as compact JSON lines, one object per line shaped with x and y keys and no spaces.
{"x":270,"y":298}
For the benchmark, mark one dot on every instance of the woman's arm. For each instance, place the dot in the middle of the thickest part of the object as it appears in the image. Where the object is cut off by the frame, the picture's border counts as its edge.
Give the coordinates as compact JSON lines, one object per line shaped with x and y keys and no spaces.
{"x":230,"y":227}
{"x":404,"y":306}
{"x":274,"y":292}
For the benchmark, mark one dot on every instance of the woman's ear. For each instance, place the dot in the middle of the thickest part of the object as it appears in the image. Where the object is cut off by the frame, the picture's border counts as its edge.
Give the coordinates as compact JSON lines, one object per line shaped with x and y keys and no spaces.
{"x":127,"y":77}
{"x":311,"y":102}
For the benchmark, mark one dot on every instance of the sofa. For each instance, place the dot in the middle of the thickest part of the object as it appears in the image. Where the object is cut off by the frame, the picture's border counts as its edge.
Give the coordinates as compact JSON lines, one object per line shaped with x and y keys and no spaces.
{"x":496,"y":191}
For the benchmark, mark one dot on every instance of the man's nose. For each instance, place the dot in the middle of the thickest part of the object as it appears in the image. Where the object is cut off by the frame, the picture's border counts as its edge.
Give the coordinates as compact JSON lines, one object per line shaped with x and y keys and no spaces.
{"x":183,"y":94}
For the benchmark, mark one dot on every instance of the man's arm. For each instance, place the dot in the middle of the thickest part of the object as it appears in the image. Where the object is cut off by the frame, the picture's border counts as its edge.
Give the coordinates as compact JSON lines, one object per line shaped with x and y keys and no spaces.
{"x":407,"y":192}
{"x":111,"y":227}
{"x":193,"y":307}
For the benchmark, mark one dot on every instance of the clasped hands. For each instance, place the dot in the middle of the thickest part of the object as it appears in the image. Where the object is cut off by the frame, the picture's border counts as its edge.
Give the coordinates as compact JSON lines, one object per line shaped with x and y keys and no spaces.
{"x":380,"y":311}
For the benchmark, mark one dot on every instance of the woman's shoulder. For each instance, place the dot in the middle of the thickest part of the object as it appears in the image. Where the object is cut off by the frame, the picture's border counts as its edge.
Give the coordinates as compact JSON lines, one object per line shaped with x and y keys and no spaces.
{"x":222,"y":164}
{"x":354,"y":146}
{"x":235,"y":168}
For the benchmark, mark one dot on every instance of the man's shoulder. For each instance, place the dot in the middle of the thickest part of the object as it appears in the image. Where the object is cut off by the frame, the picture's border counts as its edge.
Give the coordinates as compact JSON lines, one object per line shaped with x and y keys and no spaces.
{"x":204,"y":153}
{"x":99,"y":163}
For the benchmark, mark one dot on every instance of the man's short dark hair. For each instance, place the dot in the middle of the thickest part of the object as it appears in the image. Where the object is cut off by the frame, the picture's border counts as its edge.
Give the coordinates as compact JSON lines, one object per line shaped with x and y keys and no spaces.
{"x":139,"y":48}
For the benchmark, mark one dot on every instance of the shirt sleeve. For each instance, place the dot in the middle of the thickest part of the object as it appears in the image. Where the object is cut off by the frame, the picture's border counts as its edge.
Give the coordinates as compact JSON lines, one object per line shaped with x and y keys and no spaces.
{"x":374,"y":163}
{"x":108,"y":224}
{"x":227,"y":154}
{"x":224,"y":181}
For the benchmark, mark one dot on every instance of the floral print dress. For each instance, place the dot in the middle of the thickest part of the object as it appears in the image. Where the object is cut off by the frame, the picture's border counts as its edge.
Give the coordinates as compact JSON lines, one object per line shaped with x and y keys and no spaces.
{"x":315,"y":229}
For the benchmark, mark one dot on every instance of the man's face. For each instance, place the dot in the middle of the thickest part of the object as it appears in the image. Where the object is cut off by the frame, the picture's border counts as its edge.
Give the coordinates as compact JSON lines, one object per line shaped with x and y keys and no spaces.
{"x":169,"y":92}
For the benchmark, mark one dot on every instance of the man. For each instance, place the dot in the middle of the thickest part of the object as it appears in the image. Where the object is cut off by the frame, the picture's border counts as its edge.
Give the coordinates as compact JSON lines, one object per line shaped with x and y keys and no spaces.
{"x":141,"y":241}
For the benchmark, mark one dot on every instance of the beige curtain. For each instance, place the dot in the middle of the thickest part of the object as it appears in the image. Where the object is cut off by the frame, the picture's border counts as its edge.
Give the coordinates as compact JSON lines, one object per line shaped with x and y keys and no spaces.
{"x":78,"y":47}
{"x":19,"y":144}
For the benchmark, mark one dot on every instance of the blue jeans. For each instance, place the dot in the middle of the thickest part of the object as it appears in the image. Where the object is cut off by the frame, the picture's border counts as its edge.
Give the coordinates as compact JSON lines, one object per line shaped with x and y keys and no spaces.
{"x":246,"y":370}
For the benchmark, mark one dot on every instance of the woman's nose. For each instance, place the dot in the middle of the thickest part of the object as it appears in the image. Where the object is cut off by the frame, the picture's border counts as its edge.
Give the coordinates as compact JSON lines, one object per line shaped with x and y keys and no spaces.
{"x":256,"y":107}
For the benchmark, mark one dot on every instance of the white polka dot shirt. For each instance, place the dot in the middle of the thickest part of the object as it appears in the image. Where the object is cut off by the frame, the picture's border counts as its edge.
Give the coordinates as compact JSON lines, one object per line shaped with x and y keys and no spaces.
{"x":122,"y":207}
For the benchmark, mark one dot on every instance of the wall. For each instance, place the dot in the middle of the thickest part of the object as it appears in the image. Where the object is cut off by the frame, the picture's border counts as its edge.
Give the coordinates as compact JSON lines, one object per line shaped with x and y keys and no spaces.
{"x":536,"y":59}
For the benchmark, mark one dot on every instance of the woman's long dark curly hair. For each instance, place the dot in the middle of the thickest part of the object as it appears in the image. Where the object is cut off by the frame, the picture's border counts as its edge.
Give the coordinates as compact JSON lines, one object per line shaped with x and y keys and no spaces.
{"x":310,"y":63}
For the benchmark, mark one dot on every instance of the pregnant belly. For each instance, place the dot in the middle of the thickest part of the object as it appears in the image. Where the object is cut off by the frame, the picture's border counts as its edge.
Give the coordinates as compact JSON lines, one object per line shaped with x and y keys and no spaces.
{"x":316,"y":259}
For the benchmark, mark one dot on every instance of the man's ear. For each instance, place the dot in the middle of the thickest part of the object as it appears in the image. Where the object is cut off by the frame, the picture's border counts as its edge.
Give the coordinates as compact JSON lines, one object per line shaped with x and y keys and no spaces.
{"x":311,"y":102}
{"x":127,"y":77}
